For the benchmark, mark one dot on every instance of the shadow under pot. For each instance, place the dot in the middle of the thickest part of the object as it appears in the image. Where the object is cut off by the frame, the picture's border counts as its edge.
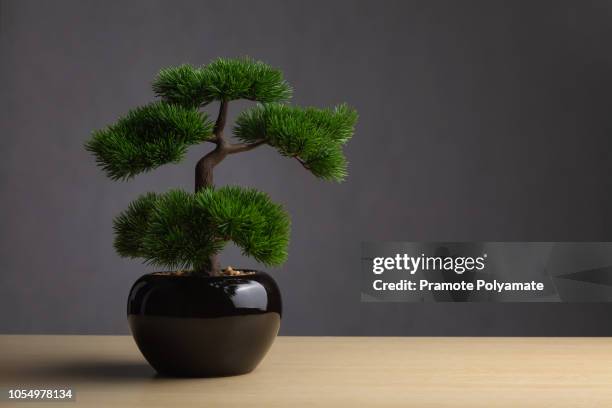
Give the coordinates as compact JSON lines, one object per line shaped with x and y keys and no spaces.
{"x":204,"y":326}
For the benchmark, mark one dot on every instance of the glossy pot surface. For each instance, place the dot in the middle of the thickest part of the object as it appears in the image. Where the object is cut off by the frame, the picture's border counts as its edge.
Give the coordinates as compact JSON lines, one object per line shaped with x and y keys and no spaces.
{"x":200,"y":326}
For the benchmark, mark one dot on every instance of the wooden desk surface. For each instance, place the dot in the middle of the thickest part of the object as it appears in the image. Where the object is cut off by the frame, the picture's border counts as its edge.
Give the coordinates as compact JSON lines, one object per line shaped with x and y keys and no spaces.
{"x":109,"y":371}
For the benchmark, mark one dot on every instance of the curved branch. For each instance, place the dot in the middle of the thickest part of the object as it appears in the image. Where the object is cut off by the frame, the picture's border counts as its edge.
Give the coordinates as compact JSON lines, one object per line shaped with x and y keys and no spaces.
{"x":204,"y":168}
{"x":302,"y":162}
{"x":220,"y":123}
{"x":243,"y":147}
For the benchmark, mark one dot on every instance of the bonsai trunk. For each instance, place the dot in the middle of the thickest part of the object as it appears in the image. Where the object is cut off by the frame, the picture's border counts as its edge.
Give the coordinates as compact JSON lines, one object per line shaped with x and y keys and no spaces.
{"x":204,"y":178}
{"x":204,"y":168}
{"x":204,"y":173}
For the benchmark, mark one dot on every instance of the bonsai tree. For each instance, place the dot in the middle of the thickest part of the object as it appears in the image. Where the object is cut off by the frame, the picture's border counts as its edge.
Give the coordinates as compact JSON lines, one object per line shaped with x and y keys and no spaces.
{"x":182,"y":230}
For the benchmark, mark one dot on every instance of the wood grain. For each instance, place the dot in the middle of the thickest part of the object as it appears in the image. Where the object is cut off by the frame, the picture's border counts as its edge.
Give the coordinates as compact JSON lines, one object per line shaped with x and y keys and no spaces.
{"x":109,"y":371}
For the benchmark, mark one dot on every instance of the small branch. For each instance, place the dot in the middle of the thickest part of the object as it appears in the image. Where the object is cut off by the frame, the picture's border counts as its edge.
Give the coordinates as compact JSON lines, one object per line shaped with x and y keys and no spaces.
{"x":302,"y":162}
{"x":220,"y":123}
{"x":243,"y":147}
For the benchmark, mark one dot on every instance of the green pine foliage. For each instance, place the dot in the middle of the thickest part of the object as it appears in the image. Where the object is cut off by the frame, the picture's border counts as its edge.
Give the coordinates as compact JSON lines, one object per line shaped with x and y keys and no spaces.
{"x":180,"y":230}
{"x":184,"y":85}
{"x":131,"y":226}
{"x":224,"y":79}
{"x":315,"y":136}
{"x":250,"y":219}
{"x":148,"y":137}
{"x":179,"y":234}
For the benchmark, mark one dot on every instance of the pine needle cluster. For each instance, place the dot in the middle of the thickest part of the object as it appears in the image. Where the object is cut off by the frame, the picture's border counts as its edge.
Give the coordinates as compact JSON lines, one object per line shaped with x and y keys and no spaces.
{"x":224,"y":79}
{"x":148,"y":137}
{"x":314,"y":136}
{"x":181,"y":230}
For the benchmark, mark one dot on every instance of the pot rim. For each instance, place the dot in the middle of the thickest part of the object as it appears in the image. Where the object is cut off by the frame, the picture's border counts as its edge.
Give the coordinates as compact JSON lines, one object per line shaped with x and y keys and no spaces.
{"x":250,"y":273}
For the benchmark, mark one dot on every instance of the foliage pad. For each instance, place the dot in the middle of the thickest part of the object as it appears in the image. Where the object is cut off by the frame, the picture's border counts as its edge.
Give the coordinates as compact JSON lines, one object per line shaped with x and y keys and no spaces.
{"x":224,"y":79}
{"x":148,"y":137}
{"x":315,"y":136}
{"x":181,"y":230}
{"x":250,"y":219}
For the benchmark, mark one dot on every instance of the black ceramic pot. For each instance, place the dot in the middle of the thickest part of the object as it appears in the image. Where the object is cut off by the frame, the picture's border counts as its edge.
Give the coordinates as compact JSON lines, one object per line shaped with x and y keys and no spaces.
{"x":201,"y":326}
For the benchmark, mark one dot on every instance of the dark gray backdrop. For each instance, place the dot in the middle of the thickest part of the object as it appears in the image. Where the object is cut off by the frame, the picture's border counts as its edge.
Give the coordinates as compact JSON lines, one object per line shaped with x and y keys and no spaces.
{"x":480,"y":120}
